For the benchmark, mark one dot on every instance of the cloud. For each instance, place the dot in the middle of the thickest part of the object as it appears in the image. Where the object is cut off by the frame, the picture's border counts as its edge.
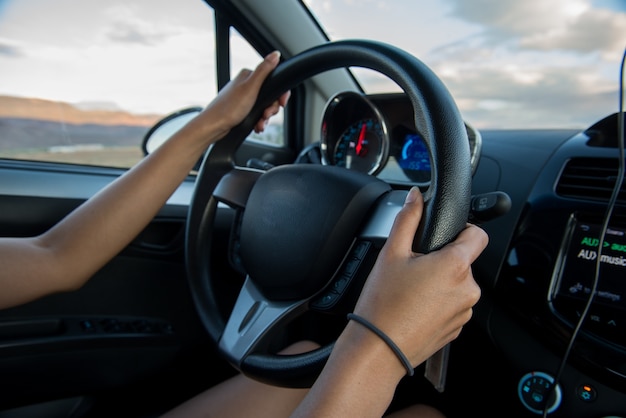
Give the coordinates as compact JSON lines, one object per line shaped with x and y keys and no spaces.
{"x":144,"y":57}
{"x":588,"y":31}
{"x":570,"y":25}
{"x":514,"y":18}
{"x":532,"y":58}
{"x":127,"y":23}
{"x":506,"y":62}
{"x":8,"y":50}
{"x":129,"y":33}
{"x":510,"y":98}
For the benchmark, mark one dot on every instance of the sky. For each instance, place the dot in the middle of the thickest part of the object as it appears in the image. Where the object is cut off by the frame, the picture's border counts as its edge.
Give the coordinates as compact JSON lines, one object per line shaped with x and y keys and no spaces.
{"x":147,"y":56}
{"x":507,"y":63}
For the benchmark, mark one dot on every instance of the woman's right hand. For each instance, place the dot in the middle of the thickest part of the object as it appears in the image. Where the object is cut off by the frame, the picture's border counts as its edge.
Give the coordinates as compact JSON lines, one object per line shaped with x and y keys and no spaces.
{"x":421,"y":301}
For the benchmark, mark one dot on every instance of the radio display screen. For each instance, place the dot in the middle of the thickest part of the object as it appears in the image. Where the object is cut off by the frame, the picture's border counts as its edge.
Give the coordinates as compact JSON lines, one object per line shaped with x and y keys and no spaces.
{"x":578,"y":265}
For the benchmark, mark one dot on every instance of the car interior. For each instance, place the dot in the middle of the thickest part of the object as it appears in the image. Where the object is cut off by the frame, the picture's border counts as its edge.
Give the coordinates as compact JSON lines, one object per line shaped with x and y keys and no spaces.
{"x":162,"y":321}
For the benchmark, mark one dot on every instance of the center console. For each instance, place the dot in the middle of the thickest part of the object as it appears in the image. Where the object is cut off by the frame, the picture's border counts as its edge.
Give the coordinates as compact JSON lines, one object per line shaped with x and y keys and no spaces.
{"x":565,"y":276}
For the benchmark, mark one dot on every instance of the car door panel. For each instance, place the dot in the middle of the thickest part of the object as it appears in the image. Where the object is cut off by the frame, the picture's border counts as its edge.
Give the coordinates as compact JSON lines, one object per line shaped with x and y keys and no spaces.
{"x":132,"y":323}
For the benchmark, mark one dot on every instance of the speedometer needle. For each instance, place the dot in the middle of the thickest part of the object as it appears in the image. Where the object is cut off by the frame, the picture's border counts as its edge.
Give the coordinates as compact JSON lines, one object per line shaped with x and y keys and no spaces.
{"x":359,"y":144}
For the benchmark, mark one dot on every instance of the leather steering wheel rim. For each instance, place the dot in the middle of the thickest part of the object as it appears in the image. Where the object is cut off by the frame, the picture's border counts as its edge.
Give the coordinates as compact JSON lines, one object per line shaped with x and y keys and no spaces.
{"x":447,"y":199}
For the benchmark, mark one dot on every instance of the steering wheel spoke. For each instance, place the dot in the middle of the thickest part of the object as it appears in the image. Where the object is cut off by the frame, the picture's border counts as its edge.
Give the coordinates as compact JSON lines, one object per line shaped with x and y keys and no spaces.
{"x":252,"y":316}
{"x":234,"y":188}
{"x":379,"y":224}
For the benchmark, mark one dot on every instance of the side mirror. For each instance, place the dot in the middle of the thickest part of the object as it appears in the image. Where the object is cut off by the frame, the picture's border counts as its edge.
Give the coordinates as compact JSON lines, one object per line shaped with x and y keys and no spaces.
{"x":167,"y":127}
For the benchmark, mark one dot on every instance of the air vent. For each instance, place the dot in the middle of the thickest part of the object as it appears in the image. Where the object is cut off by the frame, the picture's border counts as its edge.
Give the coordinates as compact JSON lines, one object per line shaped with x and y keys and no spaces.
{"x":590,"y":179}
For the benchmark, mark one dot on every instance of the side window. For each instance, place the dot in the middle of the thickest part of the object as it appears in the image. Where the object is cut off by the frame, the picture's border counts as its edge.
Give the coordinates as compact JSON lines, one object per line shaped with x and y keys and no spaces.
{"x":82,"y":82}
{"x":242,"y":55}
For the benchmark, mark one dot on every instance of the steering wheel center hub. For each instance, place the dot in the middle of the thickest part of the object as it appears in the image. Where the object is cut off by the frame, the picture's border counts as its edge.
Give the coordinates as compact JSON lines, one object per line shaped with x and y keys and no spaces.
{"x":299,"y":222}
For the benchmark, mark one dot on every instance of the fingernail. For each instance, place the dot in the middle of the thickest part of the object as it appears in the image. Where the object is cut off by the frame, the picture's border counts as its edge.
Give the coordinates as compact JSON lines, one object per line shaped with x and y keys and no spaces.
{"x":273,"y":57}
{"x":412,"y":195}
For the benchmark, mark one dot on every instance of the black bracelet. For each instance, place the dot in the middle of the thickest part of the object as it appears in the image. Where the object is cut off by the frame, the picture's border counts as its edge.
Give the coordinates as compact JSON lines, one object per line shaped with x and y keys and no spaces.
{"x":367,"y":324}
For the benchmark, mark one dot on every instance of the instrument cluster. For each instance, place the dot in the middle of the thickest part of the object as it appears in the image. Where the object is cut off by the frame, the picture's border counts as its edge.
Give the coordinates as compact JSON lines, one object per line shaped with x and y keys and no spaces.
{"x":376,"y":135}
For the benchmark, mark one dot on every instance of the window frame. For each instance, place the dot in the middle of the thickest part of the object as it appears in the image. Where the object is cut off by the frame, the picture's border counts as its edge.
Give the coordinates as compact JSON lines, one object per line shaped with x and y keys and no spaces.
{"x":225,"y":18}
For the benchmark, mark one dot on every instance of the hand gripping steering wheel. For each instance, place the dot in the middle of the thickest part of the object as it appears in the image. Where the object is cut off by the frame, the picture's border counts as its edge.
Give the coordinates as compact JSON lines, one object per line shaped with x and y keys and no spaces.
{"x":304,"y":225}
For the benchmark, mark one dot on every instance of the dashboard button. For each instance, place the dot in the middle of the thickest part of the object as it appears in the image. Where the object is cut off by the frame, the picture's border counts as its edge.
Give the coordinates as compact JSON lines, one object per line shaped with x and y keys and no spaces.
{"x":586,"y":393}
{"x":535,"y":390}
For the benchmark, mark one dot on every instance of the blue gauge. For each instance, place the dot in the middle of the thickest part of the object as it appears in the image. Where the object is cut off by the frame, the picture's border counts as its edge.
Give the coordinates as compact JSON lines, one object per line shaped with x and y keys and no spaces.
{"x":414,"y":155}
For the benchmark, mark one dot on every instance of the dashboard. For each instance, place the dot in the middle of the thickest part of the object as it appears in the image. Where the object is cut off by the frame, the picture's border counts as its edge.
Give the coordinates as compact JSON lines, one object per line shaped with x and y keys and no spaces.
{"x":547,"y":255}
{"x":376,"y":135}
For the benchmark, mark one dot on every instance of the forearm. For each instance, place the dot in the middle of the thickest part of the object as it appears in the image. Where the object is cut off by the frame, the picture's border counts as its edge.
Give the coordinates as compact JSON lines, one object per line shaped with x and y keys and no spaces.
{"x":67,"y":255}
{"x":105,"y":224}
{"x":359,"y":378}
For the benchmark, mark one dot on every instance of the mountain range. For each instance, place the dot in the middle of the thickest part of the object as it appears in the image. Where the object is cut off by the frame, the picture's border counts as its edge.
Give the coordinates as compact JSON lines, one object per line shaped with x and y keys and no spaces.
{"x":55,"y":111}
{"x":28,"y":124}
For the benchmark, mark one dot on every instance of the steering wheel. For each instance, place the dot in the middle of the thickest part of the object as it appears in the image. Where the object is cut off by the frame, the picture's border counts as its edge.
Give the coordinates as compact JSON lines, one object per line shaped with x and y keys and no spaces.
{"x":308,"y":231}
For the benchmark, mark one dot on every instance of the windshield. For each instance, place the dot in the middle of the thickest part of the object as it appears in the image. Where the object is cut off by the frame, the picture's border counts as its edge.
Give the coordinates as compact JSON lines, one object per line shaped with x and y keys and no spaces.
{"x":508,"y":64}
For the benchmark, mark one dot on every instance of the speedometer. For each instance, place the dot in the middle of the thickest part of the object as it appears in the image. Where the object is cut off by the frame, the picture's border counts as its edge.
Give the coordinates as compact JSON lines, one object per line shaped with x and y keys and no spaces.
{"x":361,"y":146}
{"x":354,"y":134}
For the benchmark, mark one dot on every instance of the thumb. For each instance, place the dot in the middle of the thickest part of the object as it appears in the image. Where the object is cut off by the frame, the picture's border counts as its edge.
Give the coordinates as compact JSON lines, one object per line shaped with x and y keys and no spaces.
{"x":265,"y":67}
{"x":406,"y":223}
